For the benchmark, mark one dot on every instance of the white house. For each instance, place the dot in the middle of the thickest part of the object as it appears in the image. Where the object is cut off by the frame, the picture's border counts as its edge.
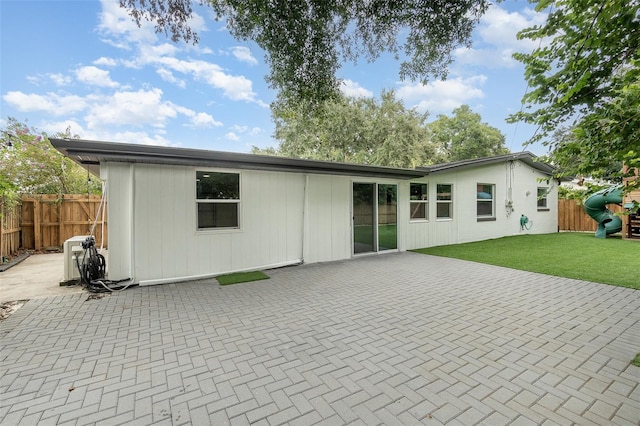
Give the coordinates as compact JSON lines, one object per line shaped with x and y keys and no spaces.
{"x":180,"y":214}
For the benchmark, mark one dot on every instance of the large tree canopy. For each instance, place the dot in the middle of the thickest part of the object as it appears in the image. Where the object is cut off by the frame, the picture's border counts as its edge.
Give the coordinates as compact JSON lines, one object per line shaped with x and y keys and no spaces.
{"x":464,"y":136}
{"x":585,"y":74}
{"x":306,"y":41}
{"x":355,"y":130}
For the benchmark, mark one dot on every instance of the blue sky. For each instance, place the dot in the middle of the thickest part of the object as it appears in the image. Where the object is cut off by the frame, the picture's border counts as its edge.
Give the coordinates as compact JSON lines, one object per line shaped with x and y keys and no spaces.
{"x":84,"y":64}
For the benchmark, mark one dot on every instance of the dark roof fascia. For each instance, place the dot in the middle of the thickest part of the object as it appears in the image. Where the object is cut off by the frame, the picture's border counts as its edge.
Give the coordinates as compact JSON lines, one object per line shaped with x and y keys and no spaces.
{"x":525,"y":156}
{"x":90,"y":154}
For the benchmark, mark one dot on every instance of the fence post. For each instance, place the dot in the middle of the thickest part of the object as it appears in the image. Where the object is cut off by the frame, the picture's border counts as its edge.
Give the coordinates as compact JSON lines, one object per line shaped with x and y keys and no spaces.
{"x":37,"y":227}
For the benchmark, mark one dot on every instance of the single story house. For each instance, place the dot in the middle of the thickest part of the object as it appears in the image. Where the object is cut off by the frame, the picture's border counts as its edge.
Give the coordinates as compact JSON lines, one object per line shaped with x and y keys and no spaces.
{"x":181,"y":214}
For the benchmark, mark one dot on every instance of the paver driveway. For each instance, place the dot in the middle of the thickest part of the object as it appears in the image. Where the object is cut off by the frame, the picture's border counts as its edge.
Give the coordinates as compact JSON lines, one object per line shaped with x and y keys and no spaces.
{"x":395,"y":339}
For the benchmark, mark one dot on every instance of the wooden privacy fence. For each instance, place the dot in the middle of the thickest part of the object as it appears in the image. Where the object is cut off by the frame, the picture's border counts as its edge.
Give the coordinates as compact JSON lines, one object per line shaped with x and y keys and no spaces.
{"x":9,"y":229}
{"x":572,"y":217}
{"x":46,"y":221}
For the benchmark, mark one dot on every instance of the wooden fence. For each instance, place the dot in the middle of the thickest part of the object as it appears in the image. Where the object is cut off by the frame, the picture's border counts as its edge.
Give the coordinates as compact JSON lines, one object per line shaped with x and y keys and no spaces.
{"x":46,"y":221}
{"x":9,"y":229}
{"x":572,"y":217}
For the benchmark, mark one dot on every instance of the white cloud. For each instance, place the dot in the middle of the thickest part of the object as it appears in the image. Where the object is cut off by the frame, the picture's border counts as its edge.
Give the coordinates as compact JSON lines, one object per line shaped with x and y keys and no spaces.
{"x":119,"y":27}
{"x":243,"y":54}
{"x":107,"y":62}
{"x":496,"y":38}
{"x":139,"y":138}
{"x":131,"y":109}
{"x":60,"y":79}
{"x":352,"y":88}
{"x":51,"y":103}
{"x":442,"y":96}
{"x":202,"y":119}
{"x":168,"y":76}
{"x":235,"y":87}
{"x":116,"y":24}
{"x":75,"y":129}
{"x":232,"y":136}
{"x":95,"y":76}
{"x":254,"y":131}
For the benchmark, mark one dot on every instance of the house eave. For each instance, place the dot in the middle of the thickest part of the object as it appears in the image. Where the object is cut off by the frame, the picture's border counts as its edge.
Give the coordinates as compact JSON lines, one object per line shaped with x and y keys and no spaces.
{"x":91,"y":154}
{"x":525,"y":156}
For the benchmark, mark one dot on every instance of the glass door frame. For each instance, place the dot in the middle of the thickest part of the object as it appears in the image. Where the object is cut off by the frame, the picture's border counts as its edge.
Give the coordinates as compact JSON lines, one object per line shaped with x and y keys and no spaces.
{"x":375,"y":227}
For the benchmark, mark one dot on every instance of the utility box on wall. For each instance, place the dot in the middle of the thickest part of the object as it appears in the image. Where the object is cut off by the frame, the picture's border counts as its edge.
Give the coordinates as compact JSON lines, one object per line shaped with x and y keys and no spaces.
{"x":72,"y":249}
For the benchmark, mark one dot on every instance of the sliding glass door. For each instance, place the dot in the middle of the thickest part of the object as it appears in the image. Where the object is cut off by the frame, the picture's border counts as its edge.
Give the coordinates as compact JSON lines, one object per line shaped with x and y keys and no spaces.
{"x":374,"y":217}
{"x":364,"y":218}
{"x":387,"y":217}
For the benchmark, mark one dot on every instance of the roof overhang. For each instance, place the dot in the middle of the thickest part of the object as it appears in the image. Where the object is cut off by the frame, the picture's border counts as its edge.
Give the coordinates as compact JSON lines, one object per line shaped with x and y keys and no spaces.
{"x":525,"y":156}
{"x":91,"y":154}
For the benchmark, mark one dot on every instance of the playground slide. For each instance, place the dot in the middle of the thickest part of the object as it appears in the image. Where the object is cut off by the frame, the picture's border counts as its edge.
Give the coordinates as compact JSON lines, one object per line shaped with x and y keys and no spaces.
{"x":595,"y":206}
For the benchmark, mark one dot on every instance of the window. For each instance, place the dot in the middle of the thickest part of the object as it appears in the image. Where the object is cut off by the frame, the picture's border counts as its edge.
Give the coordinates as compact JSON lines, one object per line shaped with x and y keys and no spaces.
{"x":419,"y":201}
{"x":485,"y":201}
{"x":542,"y":198}
{"x":444,"y":201}
{"x":218,"y":199}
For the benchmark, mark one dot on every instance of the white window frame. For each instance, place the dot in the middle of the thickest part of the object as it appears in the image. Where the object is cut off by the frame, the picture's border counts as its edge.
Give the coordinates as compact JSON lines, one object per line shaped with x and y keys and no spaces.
{"x":416,"y":203}
{"x":237,"y":201}
{"x":492,"y":200}
{"x":542,"y":200}
{"x":439,"y":201}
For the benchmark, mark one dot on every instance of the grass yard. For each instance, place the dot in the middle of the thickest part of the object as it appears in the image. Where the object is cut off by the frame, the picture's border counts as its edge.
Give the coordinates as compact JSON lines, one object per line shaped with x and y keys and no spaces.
{"x":581,"y":256}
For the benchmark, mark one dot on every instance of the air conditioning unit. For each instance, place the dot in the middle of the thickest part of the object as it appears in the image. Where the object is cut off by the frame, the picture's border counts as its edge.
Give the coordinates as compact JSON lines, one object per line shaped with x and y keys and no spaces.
{"x":72,"y":249}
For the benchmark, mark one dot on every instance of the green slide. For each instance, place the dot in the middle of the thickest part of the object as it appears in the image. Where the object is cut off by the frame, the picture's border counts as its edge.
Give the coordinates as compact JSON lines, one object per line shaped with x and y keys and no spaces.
{"x":596,"y":207}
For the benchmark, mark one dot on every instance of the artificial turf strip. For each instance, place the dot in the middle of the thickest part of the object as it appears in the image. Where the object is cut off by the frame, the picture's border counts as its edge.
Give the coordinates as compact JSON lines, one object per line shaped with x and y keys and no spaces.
{"x":241,"y":277}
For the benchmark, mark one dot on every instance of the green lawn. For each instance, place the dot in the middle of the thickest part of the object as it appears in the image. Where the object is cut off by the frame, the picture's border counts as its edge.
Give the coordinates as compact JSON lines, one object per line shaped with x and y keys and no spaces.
{"x":573,"y":255}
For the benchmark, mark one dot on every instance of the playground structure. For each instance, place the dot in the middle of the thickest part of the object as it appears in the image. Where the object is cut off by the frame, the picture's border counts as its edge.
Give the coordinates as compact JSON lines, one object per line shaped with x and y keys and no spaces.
{"x":596,"y":207}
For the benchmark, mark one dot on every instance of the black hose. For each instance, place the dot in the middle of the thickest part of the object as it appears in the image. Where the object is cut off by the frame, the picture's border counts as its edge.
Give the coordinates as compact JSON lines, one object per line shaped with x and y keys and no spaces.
{"x":93,"y":269}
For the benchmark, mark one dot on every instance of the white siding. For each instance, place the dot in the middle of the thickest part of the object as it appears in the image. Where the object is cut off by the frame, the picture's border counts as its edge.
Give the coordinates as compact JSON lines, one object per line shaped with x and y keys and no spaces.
{"x":167,"y":244}
{"x":464,"y":226}
{"x":119,"y":178}
{"x":328,"y":219}
{"x":290,"y":217}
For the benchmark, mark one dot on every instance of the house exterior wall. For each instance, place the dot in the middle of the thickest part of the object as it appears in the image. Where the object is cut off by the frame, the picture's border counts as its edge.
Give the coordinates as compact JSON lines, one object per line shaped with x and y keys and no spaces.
{"x":464,"y":226}
{"x":161,"y":217}
{"x":287,"y":218}
{"x":327,"y":233}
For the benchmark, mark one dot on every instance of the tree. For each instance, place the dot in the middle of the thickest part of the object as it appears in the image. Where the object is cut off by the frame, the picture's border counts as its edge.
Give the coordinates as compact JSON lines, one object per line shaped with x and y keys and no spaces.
{"x":354,"y":130}
{"x":30,"y":164}
{"x":305,"y":41}
{"x":585,"y":74}
{"x":464,"y":136}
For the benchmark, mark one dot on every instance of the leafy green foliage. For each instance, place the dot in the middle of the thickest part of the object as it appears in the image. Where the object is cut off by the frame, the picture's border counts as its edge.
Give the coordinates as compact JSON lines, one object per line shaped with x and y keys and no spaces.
{"x":465,"y":137}
{"x":306,"y":41}
{"x":586,"y":73}
{"x":354,"y":130}
{"x":29,"y":164}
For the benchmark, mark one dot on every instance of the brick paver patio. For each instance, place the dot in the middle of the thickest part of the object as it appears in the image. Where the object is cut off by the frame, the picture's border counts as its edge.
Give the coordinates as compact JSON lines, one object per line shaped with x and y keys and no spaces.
{"x":395,"y":339}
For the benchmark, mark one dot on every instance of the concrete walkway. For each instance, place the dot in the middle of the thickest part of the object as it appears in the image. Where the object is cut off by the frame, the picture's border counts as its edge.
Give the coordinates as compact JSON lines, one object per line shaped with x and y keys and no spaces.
{"x":37,"y":276}
{"x":395,"y":339}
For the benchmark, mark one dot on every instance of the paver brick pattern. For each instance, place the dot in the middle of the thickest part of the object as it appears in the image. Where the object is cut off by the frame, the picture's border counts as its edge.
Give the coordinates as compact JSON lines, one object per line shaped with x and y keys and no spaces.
{"x":395,"y":339}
